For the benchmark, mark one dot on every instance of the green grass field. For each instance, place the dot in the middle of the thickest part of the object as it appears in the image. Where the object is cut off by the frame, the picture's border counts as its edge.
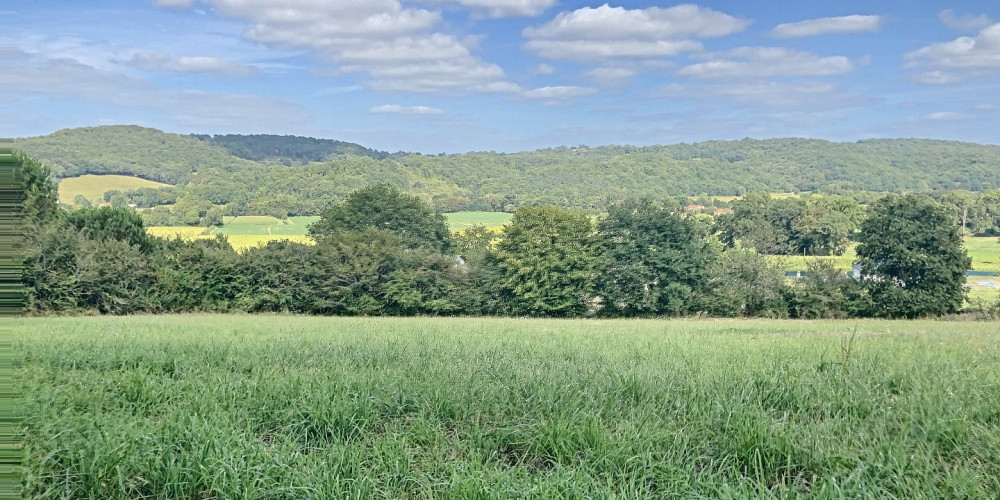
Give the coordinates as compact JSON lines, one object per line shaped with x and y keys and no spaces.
{"x":459,"y":221}
{"x":202,"y":406}
{"x":93,"y":187}
{"x":985,"y":253}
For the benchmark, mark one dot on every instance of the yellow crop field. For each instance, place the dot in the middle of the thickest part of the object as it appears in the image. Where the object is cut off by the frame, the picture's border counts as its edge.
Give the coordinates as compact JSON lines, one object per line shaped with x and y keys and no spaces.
{"x":93,"y":187}
{"x":240,"y":242}
{"x":244,"y":242}
{"x":182,"y":232}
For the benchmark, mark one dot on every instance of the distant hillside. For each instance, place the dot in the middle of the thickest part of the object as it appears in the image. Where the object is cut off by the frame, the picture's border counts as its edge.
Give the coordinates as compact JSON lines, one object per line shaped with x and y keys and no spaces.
{"x":93,"y":187}
{"x":260,"y":147}
{"x":580,"y":177}
{"x":128,"y":150}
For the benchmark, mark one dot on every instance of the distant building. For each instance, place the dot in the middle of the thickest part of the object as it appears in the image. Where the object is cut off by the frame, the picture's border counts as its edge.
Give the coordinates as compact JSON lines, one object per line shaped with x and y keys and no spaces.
{"x":693,"y":208}
{"x":722,"y":211}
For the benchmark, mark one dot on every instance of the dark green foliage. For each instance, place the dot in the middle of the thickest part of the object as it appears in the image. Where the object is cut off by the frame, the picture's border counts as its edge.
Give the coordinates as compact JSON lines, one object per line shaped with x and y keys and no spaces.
{"x":827,"y":225}
{"x":49,"y":267}
{"x":71,"y":269}
{"x":912,"y":260}
{"x":547,"y":260}
{"x":744,"y":283}
{"x":792,"y":226}
{"x":367,"y":272}
{"x":291,"y":148}
{"x":824,"y":292}
{"x":199,"y":275}
{"x":477,"y":273}
{"x":81,"y":201}
{"x":109,"y":223}
{"x":147,"y":197}
{"x":655,"y":260}
{"x":41,"y":202}
{"x":763,"y":223}
{"x":384,"y":207}
{"x":276,"y":277}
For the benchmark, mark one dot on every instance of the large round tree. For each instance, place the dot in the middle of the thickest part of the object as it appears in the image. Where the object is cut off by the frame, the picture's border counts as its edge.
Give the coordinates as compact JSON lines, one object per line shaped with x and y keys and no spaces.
{"x":912,"y":259}
{"x":386,"y":208}
{"x":656,"y":260}
{"x":547,"y":258}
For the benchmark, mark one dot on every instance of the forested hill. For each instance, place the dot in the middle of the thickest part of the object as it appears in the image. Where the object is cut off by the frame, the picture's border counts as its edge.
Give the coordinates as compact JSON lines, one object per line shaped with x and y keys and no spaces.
{"x":573,"y":177}
{"x":128,"y":150}
{"x":287,"y":148}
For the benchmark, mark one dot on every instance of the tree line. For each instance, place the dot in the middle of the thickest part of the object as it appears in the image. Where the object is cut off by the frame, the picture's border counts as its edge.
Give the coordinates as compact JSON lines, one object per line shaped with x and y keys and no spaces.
{"x":278,"y":175}
{"x":385,"y":252}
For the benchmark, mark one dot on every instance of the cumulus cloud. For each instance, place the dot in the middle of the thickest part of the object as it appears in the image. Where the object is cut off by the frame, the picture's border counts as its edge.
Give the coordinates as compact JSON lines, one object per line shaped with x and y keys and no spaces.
{"x":159,"y":61}
{"x":174,"y":4}
{"x":557,"y":92}
{"x":946,"y":115}
{"x":611,"y":76}
{"x":605,"y":32}
{"x":769,"y":96}
{"x":963,"y":57}
{"x":396,"y":46}
{"x":967,"y":22}
{"x":757,"y":62}
{"x":70,"y":79}
{"x":829,"y":26}
{"x":397,"y":109}
{"x":504,"y":8}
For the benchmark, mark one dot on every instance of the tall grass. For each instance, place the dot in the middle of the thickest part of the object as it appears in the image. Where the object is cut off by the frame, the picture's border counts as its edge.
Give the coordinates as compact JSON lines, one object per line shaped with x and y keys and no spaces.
{"x":302,"y":407}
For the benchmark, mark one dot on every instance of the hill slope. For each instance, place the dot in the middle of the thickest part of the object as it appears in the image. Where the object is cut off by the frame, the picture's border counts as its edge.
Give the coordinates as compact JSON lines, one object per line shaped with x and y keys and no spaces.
{"x":128,"y":150}
{"x":575,"y":177}
{"x":93,"y":187}
{"x":287,"y":148}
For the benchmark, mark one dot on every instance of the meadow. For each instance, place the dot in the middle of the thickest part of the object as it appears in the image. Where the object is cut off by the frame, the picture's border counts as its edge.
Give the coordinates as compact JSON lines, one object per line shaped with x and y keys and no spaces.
{"x":459,"y":221}
{"x":93,"y":187}
{"x":204,"y":406}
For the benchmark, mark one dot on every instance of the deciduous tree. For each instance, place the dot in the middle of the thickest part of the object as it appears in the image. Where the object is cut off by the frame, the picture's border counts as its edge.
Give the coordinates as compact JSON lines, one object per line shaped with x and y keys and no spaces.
{"x":655,"y":259}
{"x":912,"y":259}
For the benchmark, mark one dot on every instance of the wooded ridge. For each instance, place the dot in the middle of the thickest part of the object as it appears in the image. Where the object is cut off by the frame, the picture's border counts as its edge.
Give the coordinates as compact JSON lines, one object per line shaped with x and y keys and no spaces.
{"x":287,"y":175}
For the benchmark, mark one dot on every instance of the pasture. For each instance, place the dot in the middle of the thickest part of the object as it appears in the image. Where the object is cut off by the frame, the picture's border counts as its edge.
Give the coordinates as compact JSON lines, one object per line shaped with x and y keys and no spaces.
{"x":246,"y":232}
{"x":459,"y":221}
{"x":204,"y":406}
{"x":93,"y":187}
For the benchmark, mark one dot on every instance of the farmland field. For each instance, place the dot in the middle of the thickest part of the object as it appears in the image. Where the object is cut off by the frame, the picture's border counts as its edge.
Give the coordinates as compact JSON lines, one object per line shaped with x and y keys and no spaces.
{"x":93,"y":187}
{"x":458,"y":221}
{"x":203,"y":406}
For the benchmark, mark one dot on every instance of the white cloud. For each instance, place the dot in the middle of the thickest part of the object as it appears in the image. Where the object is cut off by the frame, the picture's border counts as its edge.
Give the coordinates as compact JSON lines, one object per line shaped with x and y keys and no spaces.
{"x":938,"y":77}
{"x":768,"y":96}
{"x":504,"y":8}
{"x":174,"y":4}
{"x":963,"y":57}
{"x":69,"y":79}
{"x":611,"y":76}
{"x":405,"y":110}
{"x":756,"y":62}
{"x":967,"y":22}
{"x":159,"y":61}
{"x":543,"y":69}
{"x":829,"y":26}
{"x":604,"y":32}
{"x":946,"y":115}
{"x":396,"y":46}
{"x":557,"y":92}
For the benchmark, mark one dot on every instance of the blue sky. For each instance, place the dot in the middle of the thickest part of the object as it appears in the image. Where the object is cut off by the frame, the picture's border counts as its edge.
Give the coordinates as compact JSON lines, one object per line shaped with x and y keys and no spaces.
{"x":505,"y":75}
